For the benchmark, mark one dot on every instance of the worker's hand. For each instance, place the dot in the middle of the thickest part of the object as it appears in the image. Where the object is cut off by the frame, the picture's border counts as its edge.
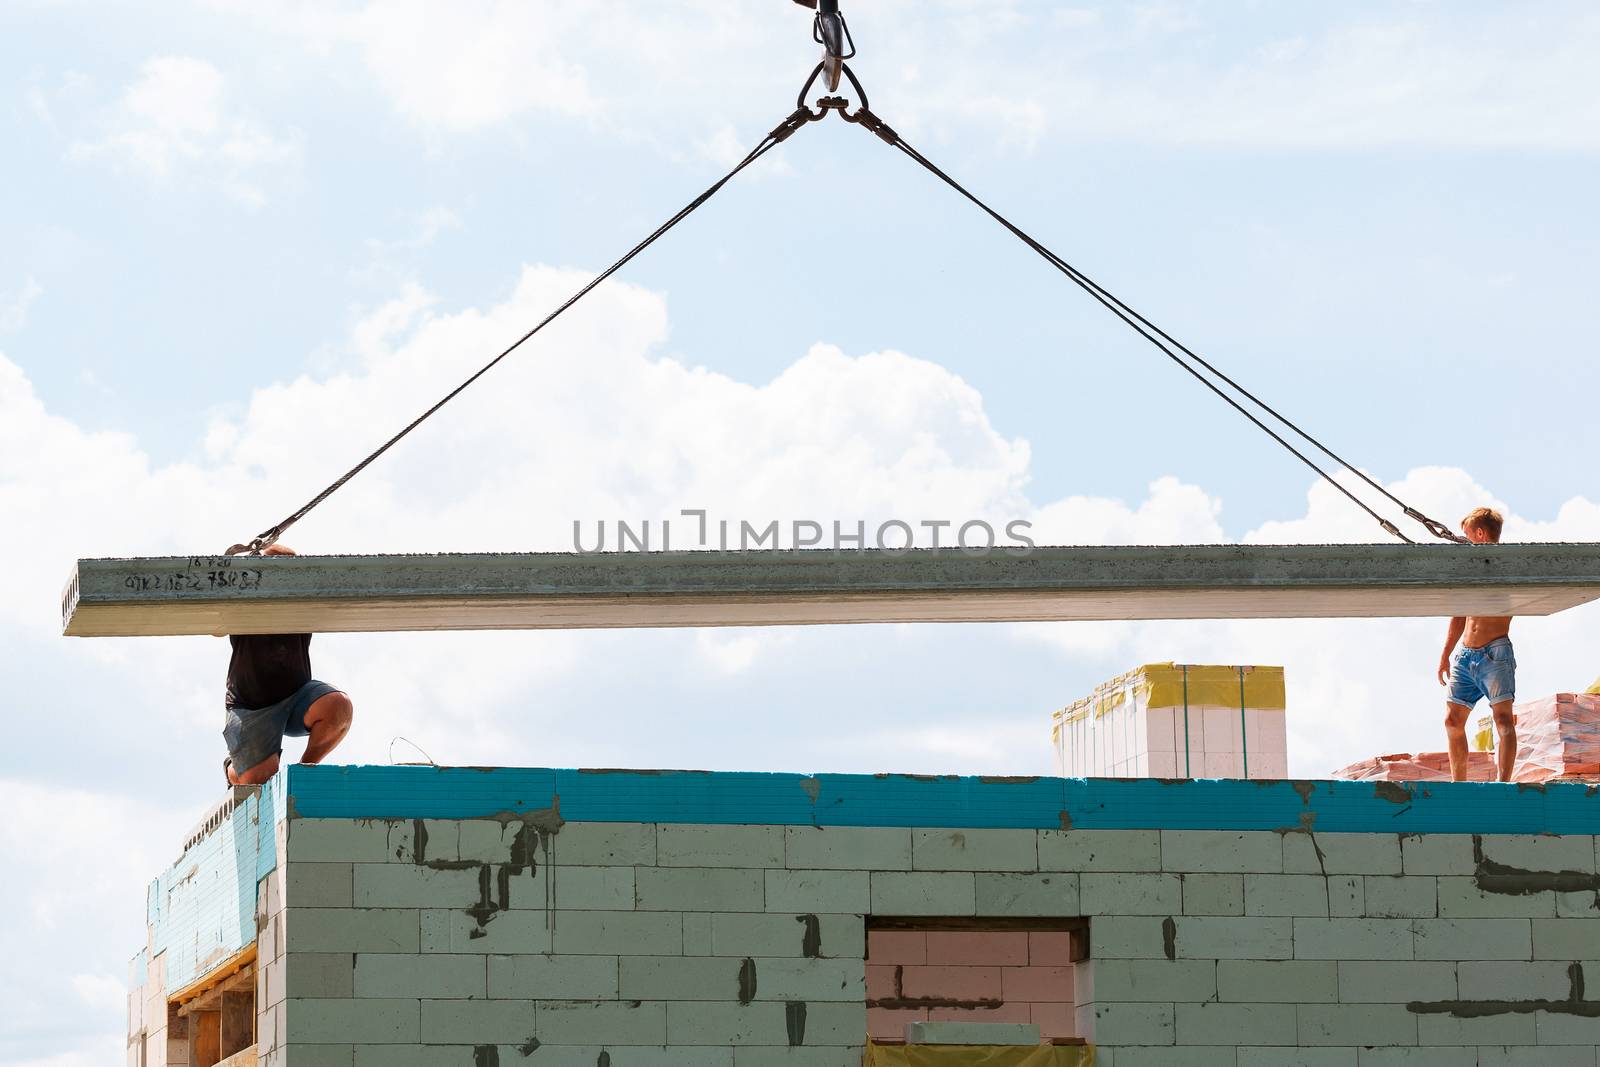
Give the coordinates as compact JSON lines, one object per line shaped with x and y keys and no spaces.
{"x":278,"y":550}
{"x":1444,"y":670}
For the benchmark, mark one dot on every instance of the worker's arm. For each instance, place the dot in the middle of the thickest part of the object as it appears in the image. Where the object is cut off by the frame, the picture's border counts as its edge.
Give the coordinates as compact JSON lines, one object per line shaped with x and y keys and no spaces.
{"x":1458,"y":626}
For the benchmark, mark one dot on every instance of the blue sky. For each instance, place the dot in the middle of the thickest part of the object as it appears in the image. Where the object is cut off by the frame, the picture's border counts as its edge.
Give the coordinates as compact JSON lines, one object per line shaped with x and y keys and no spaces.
{"x":238,"y":246}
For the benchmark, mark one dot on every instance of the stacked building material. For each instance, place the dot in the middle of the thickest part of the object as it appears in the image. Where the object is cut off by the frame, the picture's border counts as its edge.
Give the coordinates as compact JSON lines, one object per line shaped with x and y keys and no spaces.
{"x":1557,"y":737}
{"x":1418,"y":767}
{"x":1168,"y":720}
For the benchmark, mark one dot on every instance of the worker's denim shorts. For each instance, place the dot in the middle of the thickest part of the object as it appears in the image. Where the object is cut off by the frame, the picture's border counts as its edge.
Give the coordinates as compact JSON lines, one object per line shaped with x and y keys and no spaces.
{"x":253,"y":734}
{"x":1488,"y":673}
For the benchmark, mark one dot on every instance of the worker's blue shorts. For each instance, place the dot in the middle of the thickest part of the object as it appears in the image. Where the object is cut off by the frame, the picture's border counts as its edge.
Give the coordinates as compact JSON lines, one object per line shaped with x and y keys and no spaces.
{"x":253,"y":734}
{"x":1488,"y":673}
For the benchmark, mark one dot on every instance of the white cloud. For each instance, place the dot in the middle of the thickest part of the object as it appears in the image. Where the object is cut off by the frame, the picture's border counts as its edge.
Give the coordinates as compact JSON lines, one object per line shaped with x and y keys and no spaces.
{"x":14,"y":306}
{"x":176,"y":118}
{"x":74,"y":899}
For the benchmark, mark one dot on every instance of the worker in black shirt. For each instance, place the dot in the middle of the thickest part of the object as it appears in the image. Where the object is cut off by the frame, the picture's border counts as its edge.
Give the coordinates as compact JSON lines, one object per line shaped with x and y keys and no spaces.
{"x":271,"y":694}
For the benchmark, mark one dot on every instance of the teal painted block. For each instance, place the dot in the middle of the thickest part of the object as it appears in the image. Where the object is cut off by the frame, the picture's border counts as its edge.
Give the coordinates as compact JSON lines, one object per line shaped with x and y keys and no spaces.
{"x":728,"y":797}
{"x":942,"y":801}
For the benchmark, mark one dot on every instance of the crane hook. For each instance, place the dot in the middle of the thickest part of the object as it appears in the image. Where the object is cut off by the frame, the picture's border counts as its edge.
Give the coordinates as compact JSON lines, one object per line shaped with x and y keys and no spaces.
{"x":830,"y":31}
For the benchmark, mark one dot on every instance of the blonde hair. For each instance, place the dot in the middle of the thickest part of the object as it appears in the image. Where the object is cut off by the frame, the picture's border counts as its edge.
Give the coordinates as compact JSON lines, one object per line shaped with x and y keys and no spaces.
{"x":1486,"y":519}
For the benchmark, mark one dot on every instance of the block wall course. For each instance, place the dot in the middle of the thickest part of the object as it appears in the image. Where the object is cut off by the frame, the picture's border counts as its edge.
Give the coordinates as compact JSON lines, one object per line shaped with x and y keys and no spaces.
{"x":577,"y":1022}
{"x":418,"y":976}
{"x":1341,"y":853}
{"x":1397,"y":1056}
{"x":697,"y":939}
{"x":1278,"y":981}
{"x":1223,"y":938}
{"x":385,"y":1021}
{"x":818,"y":891}
{"x":1409,"y":897}
{"x":1146,"y":980}
{"x":406,"y":885}
{"x":1052,"y":894}
{"x":1565,"y":1028}
{"x":507,"y":931}
{"x":312,"y":1055}
{"x":1249,"y":943}
{"x":1100,"y":850}
{"x":1480,"y":939}
{"x":1507,"y":980}
{"x":699,"y":889}
{"x":601,"y":844}
{"x":1278,"y":1056}
{"x":1221,"y":851}
{"x":1461,"y":898}
{"x":315,"y":975}
{"x":616,"y":933}
{"x":1437,"y":854}
{"x":351,"y":929}
{"x":924,"y":893}
{"x":1353,"y":939}
{"x":693,"y":845}
{"x":473,"y":1022}
{"x":1130,"y":894}
{"x":1347,"y":898}
{"x":1165,"y":1056}
{"x":787,"y":935}
{"x":974,"y":850}
{"x":851,"y":848}
{"x":1213,"y":894}
{"x":1509,"y":1028}
{"x":1559,"y":939}
{"x":1543,"y":852}
{"x":351,"y":841}
{"x":1396,"y":982}
{"x":1285,"y":894}
{"x":1108,"y":1023}
{"x":530,"y":976}
{"x":1234,"y":1024}
{"x":766,"y":1023}
{"x":1129,"y":937}
{"x":773,"y":1056}
{"x":1534,"y":1056}
{"x":1355,"y":1025}
{"x":593,"y":888}
{"x":319,"y":885}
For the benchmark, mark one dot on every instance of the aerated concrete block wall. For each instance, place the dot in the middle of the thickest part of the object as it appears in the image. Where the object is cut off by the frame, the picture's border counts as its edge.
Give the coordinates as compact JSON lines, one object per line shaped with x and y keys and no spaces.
{"x":508,"y":917}
{"x":200,"y":913}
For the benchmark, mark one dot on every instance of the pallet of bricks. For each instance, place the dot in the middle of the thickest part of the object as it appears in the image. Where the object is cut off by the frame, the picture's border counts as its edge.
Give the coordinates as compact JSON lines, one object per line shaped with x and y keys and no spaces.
{"x":1557,"y":737}
{"x":1177,"y":720}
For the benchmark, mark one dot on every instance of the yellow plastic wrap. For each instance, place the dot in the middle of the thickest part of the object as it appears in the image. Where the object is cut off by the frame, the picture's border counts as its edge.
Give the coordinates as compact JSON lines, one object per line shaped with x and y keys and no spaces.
{"x":979,"y":1055}
{"x":1593,"y":690}
{"x":1172,"y":685}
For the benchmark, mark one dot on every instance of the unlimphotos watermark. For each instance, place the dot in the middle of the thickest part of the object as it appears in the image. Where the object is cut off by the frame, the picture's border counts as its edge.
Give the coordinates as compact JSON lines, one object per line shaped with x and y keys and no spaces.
{"x":694,"y":529}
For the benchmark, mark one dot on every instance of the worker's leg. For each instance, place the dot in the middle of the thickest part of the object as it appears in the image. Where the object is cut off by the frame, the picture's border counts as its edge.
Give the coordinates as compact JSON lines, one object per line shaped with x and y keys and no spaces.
{"x":1455,"y":732}
{"x":1505,"y":728}
{"x":254,"y":737}
{"x":1499,"y":681}
{"x":327,"y":721}
{"x":254,"y":775}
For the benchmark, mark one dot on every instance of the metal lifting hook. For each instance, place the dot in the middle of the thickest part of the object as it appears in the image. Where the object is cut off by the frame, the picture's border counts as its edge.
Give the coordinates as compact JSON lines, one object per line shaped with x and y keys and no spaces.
{"x":830,"y":31}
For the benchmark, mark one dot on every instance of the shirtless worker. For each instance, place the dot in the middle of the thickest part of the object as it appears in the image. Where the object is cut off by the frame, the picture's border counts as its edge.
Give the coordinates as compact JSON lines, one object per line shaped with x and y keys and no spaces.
{"x":1485,"y":668}
{"x":271,"y":694}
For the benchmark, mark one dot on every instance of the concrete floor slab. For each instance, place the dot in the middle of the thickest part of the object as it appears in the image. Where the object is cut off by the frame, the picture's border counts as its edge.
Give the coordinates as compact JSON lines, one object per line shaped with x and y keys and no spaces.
{"x":205,"y":595}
